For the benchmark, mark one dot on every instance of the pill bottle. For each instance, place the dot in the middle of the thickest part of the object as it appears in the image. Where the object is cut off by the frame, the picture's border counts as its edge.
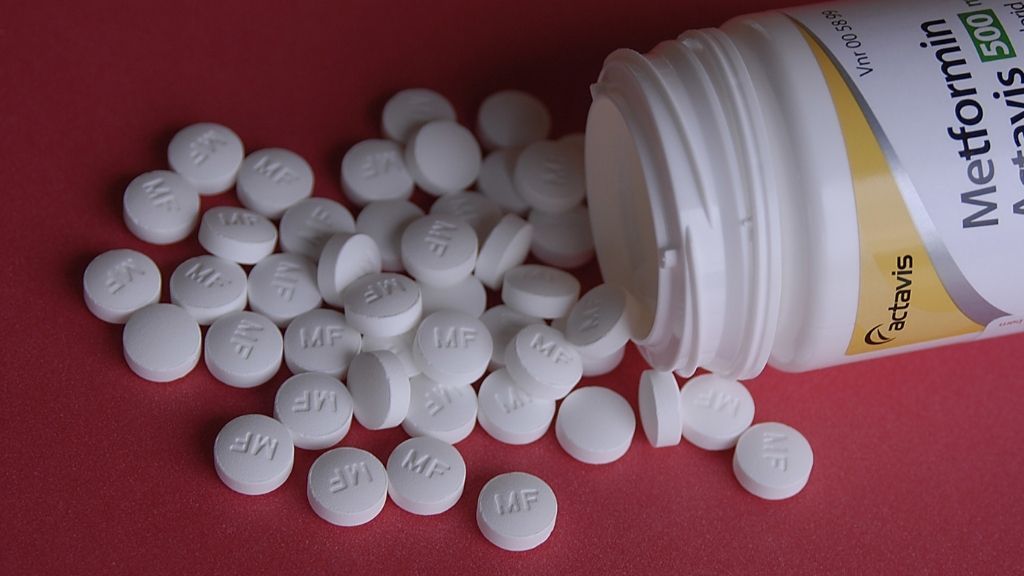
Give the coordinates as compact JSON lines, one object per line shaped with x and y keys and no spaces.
{"x":816,"y":185}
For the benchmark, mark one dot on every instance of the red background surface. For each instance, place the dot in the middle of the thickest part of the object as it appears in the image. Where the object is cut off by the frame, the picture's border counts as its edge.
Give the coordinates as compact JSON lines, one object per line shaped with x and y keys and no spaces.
{"x":917,"y":459}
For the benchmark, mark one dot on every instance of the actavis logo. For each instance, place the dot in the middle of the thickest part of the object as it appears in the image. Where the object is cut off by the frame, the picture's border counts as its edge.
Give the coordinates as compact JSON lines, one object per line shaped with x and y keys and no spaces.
{"x":899,"y":312}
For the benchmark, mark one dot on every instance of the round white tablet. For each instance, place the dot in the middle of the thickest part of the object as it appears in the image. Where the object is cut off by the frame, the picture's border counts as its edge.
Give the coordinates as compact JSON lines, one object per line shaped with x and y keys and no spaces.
{"x":208,"y":287}
{"x":715,"y":411}
{"x":442,"y":157}
{"x":243,"y":349}
{"x":772,"y":461}
{"x":400,"y":346}
{"x":549,"y":176}
{"x":119,"y":282}
{"x":344,"y":258}
{"x":504,"y":323}
{"x":512,"y":119}
{"x":473,"y":208}
{"x":495,"y":181}
{"x":409,"y":109}
{"x":380,"y":389}
{"x":207,"y":155}
{"x":543,"y":363}
{"x":439,"y":250}
{"x":306,"y":226}
{"x":374,"y":170}
{"x":468,"y":296}
{"x":516,"y":511}
{"x":506,"y":247}
{"x":510,"y":415}
{"x":452,"y":347}
{"x":161,"y":207}
{"x":540,"y":291}
{"x":601,"y":365}
{"x":384,"y":222}
{"x":563,"y":239}
{"x":440,"y":411}
{"x":321,"y":341}
{"x":595,"y":425}
{"x":161,"y":342}
{"x":237,"y":234}
{"x":425,"y":476}
{"x":347,"y":486}
{"x":383,"y":305}
{"x":253,"y":454}
{"x":282,"y":286}
{"x":658,"y":399}
{"x":272,"y":180}
{"x":601,"y":322}
{"x":315,"y":408}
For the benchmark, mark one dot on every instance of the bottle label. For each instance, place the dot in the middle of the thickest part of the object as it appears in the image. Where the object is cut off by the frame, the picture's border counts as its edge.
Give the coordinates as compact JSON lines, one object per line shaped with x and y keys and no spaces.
{"x":930,"y":100}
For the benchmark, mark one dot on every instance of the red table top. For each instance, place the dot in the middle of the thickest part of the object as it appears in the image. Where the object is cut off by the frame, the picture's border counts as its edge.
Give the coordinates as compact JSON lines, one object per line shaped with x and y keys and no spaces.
{"x":916,"y":466}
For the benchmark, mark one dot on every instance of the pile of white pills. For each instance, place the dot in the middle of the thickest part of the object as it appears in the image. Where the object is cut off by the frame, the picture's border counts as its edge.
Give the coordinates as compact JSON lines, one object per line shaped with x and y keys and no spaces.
{"x":382,"y":316}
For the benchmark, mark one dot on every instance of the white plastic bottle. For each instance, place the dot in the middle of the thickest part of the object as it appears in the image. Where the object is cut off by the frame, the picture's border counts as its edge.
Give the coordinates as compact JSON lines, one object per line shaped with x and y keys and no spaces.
{"x":816,"y":185}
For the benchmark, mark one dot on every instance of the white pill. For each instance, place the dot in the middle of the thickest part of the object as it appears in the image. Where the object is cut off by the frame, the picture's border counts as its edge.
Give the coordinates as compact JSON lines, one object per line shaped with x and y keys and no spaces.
{"x":595,"y":425}
{"x":496,"y":181}
{"x":540,"y":291}
{"x":384,"y":222}
{"x":374,"y":170}
{"x":119,"y":282}
{"x":347,"y":486}
{"x":658,"y":399}
{"x":506,"y":247}
{"x":383,"y":305}
{"x":440,"y":411}
{"x":272,"y":180}
{"x":442,"y":157}
{"x":321,"y":341}
{"x":549,"y":176}
{"x":601,"y":322}
{"x":772,"y":461}
{"x":409,"y":109}
{"x":306,"y":226}
{"x":468,"y":296}
{"x":161,"y":342}
{"x":243,"y":349}
{"x":380,"y":389}
{"x":715,"y":411}
{"x":563,"y":239}
{"x":543,"y":363}
{"x":452,"y":347}
{"x":253,"y":454}
{"x":400,"y":346}
{"x":510,"y":415}
{"x":161,"y":207}
{"x":282,"y":286}
{"x":345,"y":257}
{"x":439,"y":250}
{"x":315,"y":408}
{"x":512,"y":119}
{"x":473,"y":208}
{"x":425,"y":476}
{"x":237,"y":234}
{"x":601,"y":365}
{"x":207,"y":155}
{"x":208,"y":287}
{"x":516,"y":511}
{"x":504,"y":323}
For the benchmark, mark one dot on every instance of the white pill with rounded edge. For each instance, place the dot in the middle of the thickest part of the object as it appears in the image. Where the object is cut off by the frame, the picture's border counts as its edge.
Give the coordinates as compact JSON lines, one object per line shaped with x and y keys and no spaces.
{"x":442,"y":157}
{"x":564,"y":239}
{"x":660,"y":415}
{"x":117,"y":283}
{"x":273,"y":180}
{"x":253,"y":454}
{"x":595,"y":425}
{"x":504,"y":323}
{"x":516,"y":511}
{"x":385,"y":222}
{"x":468,"y":296}
{"x":374,"y":170}
{"x":243,"y":349}
{"x":601,"y":365}
{"x":383,"y":305}
{"x":380,"y":389}
{"x":283,"y":286}
{"x":600,"y":323}
{"x":540,"y":291}
{"x":161,"y":207}
{"x":347,"y":486}
{"x":495,"y":181}
{"x":208,"y":155}
{"x":425,"y":476}
{"x":315,"y":408}
{"x":439,"y":250}
{"x":549,"y":177}
{"x":506,"y":247}
{"x":161,"y":342}
{"x":452,"y":347}
{"x":543,"y":363}
{"x":306,"y":226}
{"x":512,"y":119}
{"x":715,"y":411}
{"x":208,"y":287}
{"x":321,"y":341}
{"x":345,"y":258}
{"x":772,"y":461}
{"x":509,"y":414}
{"x":237,"y":234}
{"x":439,"y":410}
{"x":400,"y":346}
{"x":473,"y":208}
{"x":411,"y":108}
